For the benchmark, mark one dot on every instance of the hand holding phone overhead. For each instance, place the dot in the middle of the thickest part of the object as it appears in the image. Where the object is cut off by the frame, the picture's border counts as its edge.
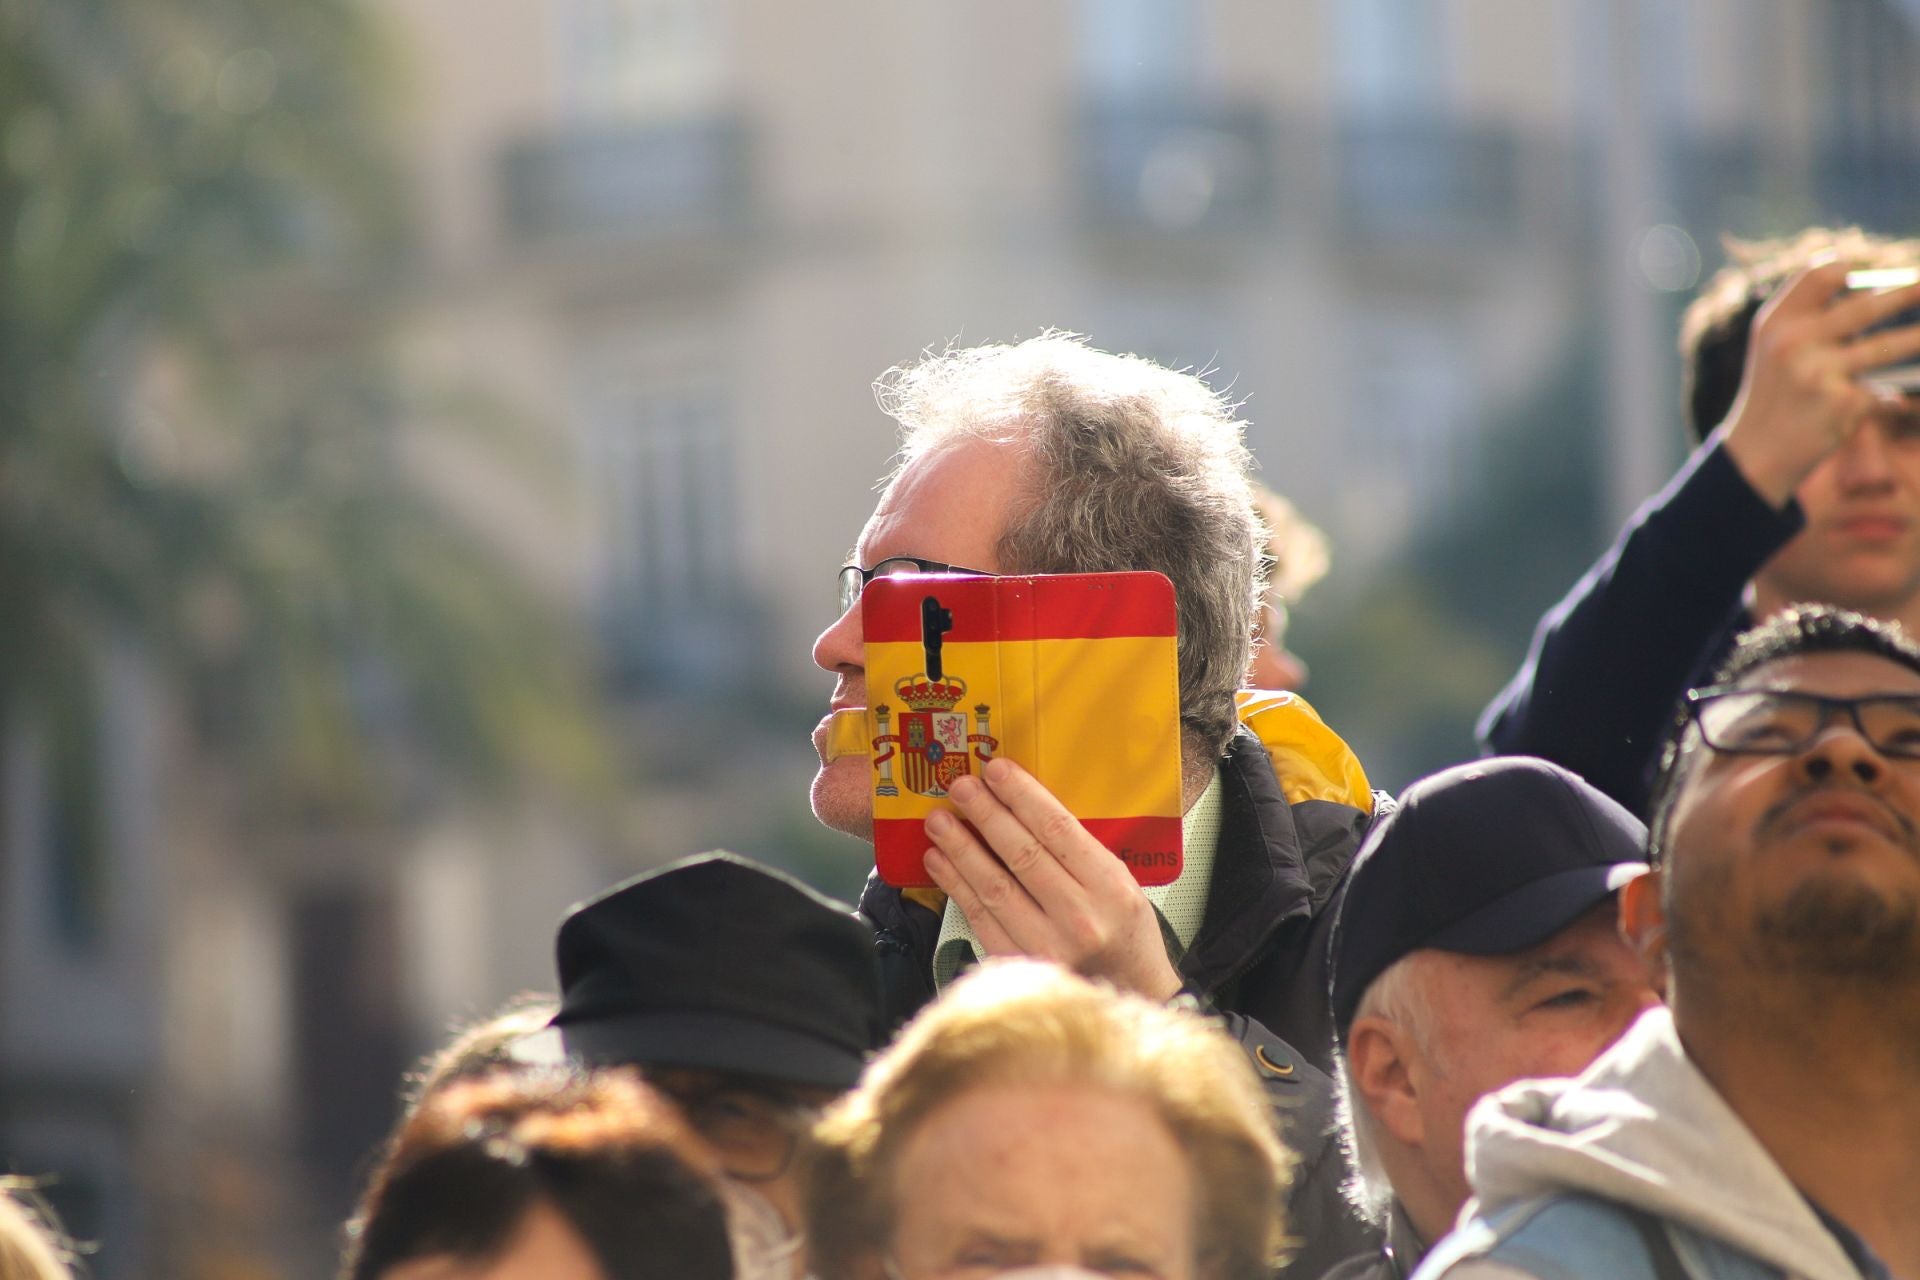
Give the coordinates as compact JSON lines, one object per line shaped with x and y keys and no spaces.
{"x":1817,"y":363}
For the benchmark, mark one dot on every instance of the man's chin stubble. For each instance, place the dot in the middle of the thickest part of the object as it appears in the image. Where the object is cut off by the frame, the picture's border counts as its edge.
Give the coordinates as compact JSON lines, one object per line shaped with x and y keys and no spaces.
{"x":835,"y":810}
{"x":1841,"y":931}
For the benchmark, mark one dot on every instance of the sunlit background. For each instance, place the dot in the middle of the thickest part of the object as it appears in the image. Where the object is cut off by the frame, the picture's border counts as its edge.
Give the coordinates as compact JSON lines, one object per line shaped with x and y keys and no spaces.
{"x":428,"y":430}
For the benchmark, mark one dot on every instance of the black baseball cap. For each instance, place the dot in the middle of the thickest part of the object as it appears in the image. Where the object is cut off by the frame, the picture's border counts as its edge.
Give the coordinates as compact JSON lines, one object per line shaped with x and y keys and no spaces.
{"x":719,"y":963}
{"x":1484,"y":859}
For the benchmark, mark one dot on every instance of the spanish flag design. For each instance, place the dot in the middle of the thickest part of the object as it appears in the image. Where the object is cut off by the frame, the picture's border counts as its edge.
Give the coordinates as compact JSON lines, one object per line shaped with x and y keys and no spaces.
{"x":1074,"y":676}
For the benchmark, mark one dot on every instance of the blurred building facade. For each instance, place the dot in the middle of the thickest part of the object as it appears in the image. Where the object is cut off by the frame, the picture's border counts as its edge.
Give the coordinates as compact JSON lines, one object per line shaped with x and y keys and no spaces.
{"x":683,"y":236}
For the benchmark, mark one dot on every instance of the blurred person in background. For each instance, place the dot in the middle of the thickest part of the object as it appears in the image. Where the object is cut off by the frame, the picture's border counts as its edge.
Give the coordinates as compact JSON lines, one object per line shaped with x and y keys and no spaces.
{"x":743,"y":996}
{"x":1049,"y":456}
{"x":533,"y":1175}
{"x":31,"y":1247}
{"x":1297,"y":558}
{"x":1767,"y":1123}
{"x":1805,"y":487}
{"x":1478,"y":942}
{"x":1032,"y":1119}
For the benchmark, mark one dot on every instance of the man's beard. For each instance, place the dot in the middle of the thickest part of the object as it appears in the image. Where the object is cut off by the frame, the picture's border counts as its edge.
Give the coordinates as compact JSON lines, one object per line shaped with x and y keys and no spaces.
{"x":1830,"y":928}
{"x":1834,"y":929}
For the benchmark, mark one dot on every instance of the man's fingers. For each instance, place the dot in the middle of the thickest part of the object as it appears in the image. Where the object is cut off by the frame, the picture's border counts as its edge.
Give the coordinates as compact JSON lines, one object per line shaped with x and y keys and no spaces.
{"x":1035,"y":852}
{"x":993,"y":937}
{"x":1881,"y":349}
{"x":1857,"y":311}
{"x":984,"y":890}
{"x":1034,"y":810}
{"x":1033,"y":881}
{"x":1810,"y":294}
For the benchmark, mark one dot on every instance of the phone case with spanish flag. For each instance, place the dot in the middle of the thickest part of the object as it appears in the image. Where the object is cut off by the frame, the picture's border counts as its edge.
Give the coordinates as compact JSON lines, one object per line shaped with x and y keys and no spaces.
{"x":1073,"y":676}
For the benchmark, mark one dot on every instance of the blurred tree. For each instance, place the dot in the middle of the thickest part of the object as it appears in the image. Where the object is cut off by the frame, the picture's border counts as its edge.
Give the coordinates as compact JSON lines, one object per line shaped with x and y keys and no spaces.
{"x":1403,"y":668}
{"x":227,"y":482}
{"x":214,"y":458}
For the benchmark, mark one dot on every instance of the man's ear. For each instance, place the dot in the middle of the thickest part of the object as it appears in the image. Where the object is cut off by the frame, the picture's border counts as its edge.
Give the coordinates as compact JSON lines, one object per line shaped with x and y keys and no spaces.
{"x":1380,"y":1054}
{"x":1643,"y":922}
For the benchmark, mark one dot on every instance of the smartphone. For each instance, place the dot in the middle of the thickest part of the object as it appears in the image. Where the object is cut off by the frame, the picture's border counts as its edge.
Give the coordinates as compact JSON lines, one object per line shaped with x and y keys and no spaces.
{"x":1902,"y":378}
{"x":1075,"y":677}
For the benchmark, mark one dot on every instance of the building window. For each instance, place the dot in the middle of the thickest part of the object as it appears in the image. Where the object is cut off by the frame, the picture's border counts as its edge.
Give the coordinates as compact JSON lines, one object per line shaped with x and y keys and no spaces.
{"x":1410,"y":420}
{"x":660,"y":465}
{"x":1865,"y":166}
{"x":639,"y":60}
{"x":76,"y":835}
{"x":1139,"y":48}
{"x":1872,"y":80}
{"x":1389,"y":56}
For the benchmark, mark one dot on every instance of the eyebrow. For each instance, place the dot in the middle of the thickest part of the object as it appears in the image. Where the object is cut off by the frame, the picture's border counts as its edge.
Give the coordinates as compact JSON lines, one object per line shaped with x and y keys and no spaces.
{"x":972,"y":1237}
{"x":1569,"y":964}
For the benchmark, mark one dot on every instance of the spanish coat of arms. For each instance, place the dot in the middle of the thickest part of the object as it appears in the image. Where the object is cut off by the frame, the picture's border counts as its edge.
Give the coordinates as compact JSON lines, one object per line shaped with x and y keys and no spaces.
{"x":931,"y":742}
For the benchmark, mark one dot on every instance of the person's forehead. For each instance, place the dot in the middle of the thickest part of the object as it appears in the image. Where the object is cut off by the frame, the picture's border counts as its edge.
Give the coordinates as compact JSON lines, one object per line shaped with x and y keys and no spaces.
{"x":950,"y":504}
{"x":1838,"y":674}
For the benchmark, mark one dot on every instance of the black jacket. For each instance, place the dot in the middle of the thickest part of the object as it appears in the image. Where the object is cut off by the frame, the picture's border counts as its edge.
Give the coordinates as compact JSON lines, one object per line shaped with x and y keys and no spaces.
{"x":1397,"y":1257}
{"x":1259,"y":959}
{"x":1603,"y":681}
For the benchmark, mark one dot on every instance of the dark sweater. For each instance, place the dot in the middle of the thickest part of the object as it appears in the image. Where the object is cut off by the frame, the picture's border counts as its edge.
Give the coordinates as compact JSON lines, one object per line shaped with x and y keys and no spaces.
{"x":1603,"y":681}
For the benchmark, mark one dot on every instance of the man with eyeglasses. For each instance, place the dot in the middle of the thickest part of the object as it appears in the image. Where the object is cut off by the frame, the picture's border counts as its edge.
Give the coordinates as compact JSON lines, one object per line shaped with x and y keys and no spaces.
{"x":1051,"y":457}
{"x":1769,"y":1124}
{"x":744,"y":996}
{"x":1804,"y":487}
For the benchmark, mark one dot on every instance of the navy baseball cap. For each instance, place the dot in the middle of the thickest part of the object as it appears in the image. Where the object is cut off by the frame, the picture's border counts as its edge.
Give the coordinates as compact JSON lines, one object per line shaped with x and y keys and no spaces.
{"x":719,"y":963}
{"x":1484,"y":859}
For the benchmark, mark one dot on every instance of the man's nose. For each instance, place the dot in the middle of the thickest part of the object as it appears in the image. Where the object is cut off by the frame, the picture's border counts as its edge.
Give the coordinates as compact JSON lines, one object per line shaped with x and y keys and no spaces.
{"x":841,"y":647}
{"x":1840,"y":749}
{"x":1863,"y":460}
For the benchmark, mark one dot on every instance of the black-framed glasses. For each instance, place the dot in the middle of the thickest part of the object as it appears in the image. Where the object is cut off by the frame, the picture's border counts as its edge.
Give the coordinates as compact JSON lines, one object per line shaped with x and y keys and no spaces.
{"x":1779,"y":722}
{"x":854,"y":579}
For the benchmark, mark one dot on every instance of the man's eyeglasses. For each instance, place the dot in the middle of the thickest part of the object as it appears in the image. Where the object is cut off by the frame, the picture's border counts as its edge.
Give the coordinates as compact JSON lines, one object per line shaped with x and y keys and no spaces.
{"x":1776,"y":722}
{"x":754,"y":1134}
{"x":854,"y":579}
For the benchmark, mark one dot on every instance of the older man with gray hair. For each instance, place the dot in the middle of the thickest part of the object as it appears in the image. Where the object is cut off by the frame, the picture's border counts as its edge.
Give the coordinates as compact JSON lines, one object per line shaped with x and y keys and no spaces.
{"x":1052,"y":457}
{"x":1477,"y":943}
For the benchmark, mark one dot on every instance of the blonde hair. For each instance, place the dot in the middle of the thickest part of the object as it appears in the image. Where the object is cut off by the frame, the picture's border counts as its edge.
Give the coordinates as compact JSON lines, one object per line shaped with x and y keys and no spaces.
{"x":1297,"y":551}
{"x":1026,"y":1022}
{"x":31,"y":1246}
{"x":1138,"y":467}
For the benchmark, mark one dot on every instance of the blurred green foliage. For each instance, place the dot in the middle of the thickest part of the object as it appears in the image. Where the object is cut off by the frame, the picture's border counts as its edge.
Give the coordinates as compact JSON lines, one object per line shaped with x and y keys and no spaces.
{"x":1403,"y":669}
{"x":204,"y":434}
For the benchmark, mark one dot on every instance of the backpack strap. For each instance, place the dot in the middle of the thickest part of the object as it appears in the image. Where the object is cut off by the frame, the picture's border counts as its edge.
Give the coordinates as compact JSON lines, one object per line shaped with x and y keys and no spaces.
{"x":1660,"y":1250}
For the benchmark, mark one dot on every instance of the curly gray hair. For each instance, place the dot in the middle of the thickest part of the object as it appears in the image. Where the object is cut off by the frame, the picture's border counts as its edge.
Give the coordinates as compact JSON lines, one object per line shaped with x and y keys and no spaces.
{"x":1138,"y":467}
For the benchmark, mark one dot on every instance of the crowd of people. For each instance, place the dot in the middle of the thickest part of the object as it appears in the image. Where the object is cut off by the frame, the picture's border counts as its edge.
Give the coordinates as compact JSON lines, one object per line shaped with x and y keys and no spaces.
{"x":1638,"y":994}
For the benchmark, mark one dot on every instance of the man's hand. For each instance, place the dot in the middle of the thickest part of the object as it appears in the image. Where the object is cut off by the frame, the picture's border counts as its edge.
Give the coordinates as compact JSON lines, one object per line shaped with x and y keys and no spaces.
{"x":1035,"y":883}
{"x":1800,"y":397}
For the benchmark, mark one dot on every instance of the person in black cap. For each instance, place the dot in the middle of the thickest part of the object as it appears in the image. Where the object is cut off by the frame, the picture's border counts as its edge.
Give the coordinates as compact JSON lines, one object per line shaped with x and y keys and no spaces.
{"x":744,"y":996}
{"x":1477,"y":943}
